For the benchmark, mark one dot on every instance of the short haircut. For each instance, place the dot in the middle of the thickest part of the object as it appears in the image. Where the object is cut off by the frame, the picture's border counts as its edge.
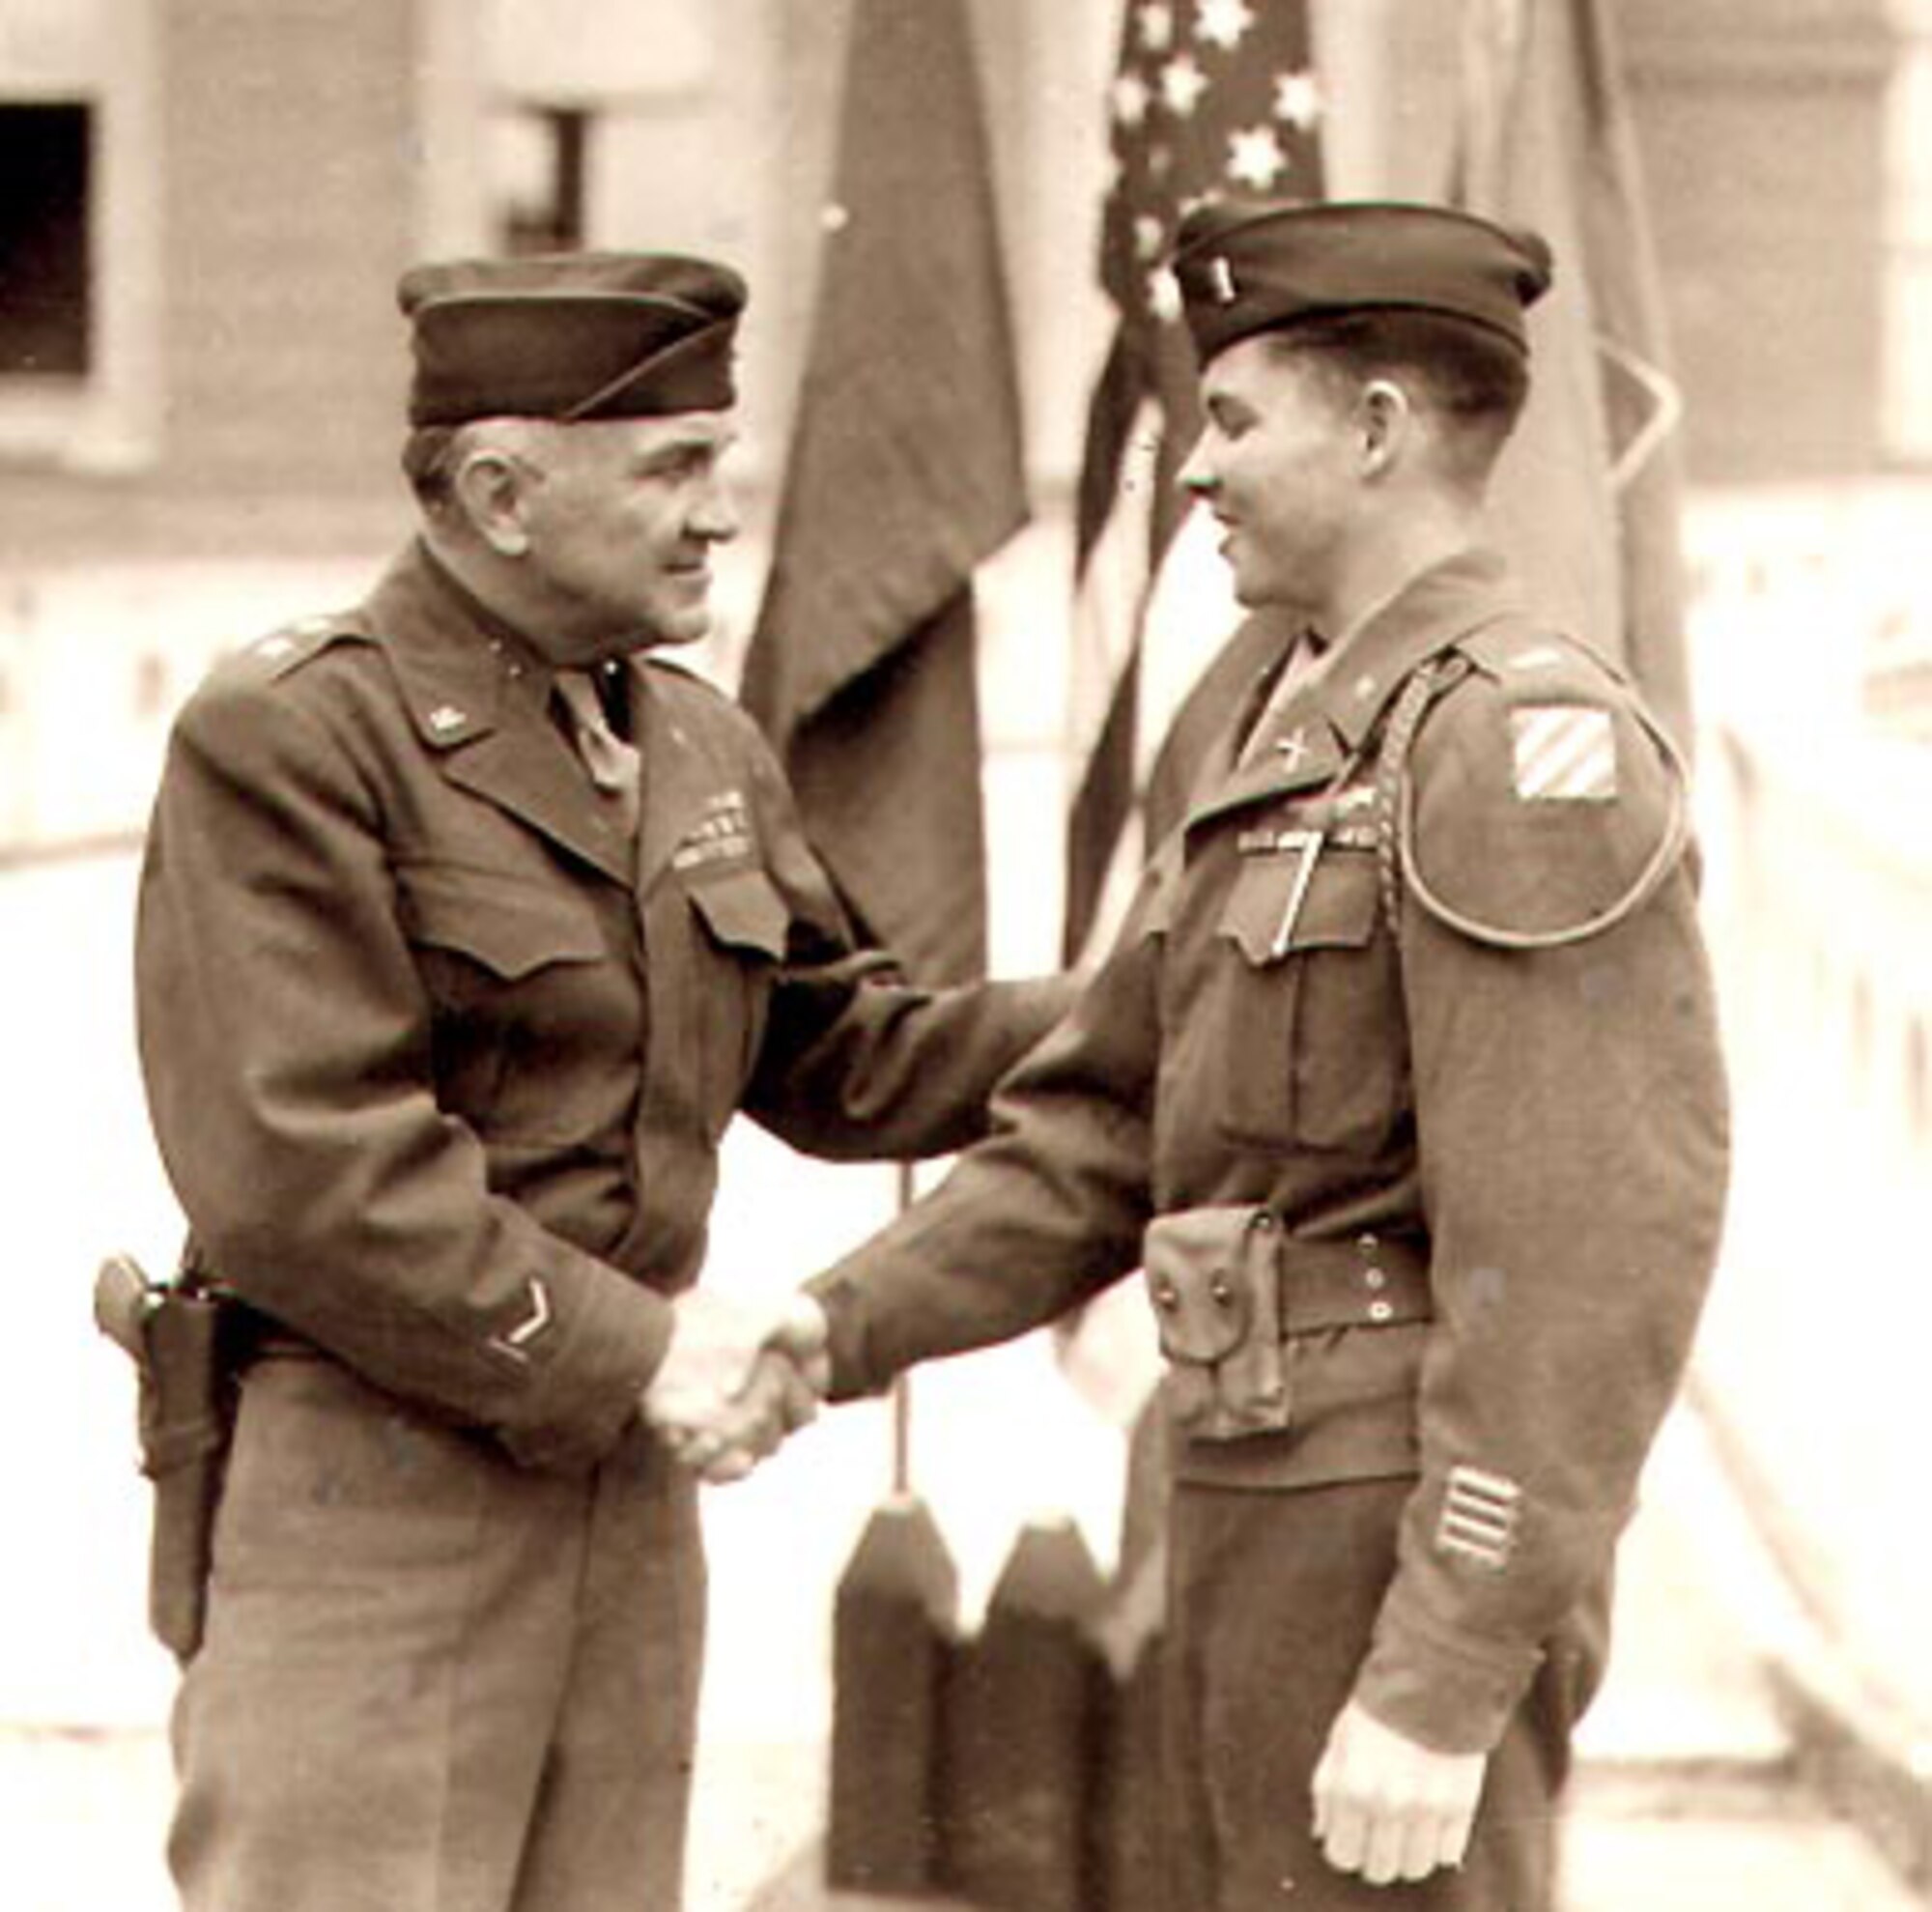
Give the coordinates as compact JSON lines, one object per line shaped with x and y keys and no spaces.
{"x":1467,"y":373}
{"x":431,"y":454}
{"x":434,"y":454}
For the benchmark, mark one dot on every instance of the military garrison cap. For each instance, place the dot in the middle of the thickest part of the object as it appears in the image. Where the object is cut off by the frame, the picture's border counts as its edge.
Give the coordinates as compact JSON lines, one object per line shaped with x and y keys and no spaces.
{"x":1248,"y":267}
{"x":570,"y":335}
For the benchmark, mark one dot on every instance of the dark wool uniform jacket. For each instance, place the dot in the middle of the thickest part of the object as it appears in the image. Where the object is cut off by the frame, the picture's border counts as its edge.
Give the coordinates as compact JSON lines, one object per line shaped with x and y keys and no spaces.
{"x":1520,"y":1102}
{"x":439,"y":1066}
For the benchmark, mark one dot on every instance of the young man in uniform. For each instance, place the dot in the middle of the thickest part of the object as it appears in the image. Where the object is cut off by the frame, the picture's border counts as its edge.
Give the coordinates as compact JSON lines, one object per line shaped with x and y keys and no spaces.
{"x":1403,"y":1086}
{"x":468,"y":922}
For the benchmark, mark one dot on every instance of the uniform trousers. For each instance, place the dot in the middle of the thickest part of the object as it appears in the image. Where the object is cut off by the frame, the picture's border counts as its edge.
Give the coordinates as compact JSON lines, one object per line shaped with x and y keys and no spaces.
{"x":432,"y":1681}
{"x":1272,"y":1600}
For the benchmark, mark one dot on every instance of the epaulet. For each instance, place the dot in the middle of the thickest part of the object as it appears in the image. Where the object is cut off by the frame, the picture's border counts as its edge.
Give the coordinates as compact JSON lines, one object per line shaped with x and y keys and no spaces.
{"x":1533,"y":659}
{"x":1531,"y":801}
{"x":281,"y":651}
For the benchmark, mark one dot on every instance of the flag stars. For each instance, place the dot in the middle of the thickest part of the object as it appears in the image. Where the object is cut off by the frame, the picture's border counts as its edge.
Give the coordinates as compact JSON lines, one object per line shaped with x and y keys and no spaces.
{"x":1157,"y":25}
{"x":1297,"y":100}
{"x":1163,"y":296}
{"x":1225,"y":24}
{"x":1254,"y":158}
{"x":1182,"y":83}
{"x":1131,"y":99}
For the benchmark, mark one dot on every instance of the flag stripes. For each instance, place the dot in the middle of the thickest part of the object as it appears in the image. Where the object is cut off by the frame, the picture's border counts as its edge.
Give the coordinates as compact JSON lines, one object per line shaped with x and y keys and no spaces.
{"x":1210,"y":96}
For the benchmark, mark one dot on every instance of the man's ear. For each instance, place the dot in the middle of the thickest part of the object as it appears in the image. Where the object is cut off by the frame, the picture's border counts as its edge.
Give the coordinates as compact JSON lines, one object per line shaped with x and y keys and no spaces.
{"x":1386,"y":420}
{"x":489,"y":487}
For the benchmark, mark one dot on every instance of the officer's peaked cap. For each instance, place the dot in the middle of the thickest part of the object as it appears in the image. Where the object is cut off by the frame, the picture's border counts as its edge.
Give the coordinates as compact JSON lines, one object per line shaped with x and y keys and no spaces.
{"x":1248,"y":266}
{"x":570,"y":335}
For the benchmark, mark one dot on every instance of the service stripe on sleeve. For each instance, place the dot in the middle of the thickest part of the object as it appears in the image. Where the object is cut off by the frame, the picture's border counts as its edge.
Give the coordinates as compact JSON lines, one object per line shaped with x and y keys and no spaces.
{"x":1479,"y":1517}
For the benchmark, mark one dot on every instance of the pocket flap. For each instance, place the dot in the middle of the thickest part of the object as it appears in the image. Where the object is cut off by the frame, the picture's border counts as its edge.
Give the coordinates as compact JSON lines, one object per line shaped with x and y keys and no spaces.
{"x":1197,"y":1281}
{"x":1336,"y":910}
{"x":741,"y":908}
{"x":510,"y":926}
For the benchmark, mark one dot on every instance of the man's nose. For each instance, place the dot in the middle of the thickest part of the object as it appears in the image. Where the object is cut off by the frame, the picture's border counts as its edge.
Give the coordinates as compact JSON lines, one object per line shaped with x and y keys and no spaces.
{"x":715,"y":515}
{"x":1197,"y":476}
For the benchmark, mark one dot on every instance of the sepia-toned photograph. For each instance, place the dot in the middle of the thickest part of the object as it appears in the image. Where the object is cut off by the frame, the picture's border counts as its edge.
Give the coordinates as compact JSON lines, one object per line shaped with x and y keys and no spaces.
{"x":966,"y":955}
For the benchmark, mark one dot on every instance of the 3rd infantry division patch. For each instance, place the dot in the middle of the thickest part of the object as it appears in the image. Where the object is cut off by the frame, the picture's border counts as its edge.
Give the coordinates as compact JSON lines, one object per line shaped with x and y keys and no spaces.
{"x":1564,"y":752}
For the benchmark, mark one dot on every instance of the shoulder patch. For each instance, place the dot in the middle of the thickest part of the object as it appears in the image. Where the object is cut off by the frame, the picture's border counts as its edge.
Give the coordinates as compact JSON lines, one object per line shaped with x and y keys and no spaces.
{"x":1562,"y":752}
{"x":1541,"y":805}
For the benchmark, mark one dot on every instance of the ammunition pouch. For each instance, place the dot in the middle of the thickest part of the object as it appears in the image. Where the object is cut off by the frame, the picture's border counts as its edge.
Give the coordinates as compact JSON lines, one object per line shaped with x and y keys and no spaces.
{"x":1232,"y":1291}
{"x":1214,"y":1276}
{"x":184,"y":1337}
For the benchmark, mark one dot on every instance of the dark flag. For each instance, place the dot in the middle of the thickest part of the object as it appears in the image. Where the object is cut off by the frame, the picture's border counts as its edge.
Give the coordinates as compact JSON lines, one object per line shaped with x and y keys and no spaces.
{"x":1210,"y":98}
{"x":905,"y":472}
{"x":1587,"y":497}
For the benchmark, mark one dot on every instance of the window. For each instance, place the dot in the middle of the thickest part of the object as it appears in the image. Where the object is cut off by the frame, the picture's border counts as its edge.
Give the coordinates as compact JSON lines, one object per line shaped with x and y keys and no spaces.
{"x":45,"y":316}
{"x":77,"y":265}
{"x":537,"y":161}
{"x":575,"y":86}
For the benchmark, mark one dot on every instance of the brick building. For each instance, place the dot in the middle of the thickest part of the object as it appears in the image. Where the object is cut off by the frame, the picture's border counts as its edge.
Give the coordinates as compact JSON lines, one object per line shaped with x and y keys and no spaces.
{"x":207,"y":203}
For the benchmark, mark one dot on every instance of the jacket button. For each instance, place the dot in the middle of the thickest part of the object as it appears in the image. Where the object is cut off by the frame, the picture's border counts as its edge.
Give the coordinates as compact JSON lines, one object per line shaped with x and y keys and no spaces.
{"x":1374,"y":1278}
{"x":1380,"y":1310}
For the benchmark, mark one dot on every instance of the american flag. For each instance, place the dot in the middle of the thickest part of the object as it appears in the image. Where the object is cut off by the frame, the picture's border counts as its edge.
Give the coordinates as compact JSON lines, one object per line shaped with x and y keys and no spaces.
{"x":1210,"y":99}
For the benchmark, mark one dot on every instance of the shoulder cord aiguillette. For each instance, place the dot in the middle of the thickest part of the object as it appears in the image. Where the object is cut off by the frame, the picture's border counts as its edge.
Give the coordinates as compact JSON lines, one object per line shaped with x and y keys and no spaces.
{"x":1394,"y":827}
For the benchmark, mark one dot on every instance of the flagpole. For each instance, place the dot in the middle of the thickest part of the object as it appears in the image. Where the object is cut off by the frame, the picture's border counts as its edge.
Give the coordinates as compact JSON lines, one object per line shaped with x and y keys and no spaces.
{"x":901,"y":1482}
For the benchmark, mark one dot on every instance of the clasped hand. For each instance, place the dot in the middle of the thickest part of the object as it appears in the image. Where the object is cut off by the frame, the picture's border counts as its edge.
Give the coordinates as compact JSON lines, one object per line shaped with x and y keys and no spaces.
{"x":736,"y":1380}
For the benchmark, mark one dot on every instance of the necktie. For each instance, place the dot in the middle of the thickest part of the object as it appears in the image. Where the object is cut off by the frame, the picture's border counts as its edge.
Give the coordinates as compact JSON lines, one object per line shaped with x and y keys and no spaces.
{"x":613,"y":765}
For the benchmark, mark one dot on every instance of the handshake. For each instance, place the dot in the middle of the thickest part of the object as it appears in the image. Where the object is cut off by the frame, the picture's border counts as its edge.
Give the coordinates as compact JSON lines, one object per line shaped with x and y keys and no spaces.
{"x":736,"y":1380}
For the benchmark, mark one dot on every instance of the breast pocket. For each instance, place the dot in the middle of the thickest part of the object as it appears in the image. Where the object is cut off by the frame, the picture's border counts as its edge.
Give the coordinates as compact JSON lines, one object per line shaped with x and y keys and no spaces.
{"x":508,"y":927}
{"x":534,"y":1020}
{"x":737,"y":930}
{"x":742,"y":911}
{"x":1314,"y":1040}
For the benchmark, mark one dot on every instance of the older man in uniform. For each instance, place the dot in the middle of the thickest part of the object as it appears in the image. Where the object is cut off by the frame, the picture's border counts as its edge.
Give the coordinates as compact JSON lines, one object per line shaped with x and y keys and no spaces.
{"x":1403,"y":1085}
{"x":468,"y":921}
